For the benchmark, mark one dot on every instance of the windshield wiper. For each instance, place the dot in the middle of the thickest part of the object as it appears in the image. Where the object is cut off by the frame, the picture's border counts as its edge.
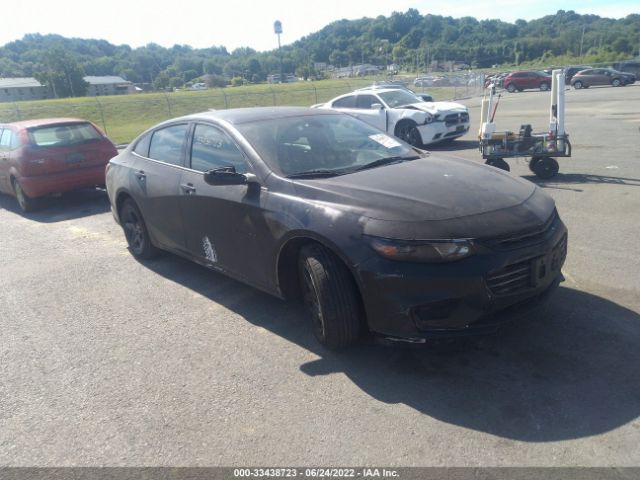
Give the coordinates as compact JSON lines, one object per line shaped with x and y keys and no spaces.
{"x":387,"y":161}
{"x":318,"y":173}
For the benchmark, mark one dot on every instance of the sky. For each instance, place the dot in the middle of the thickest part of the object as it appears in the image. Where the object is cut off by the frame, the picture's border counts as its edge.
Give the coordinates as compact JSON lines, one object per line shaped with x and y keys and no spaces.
{"x":235,"y":23}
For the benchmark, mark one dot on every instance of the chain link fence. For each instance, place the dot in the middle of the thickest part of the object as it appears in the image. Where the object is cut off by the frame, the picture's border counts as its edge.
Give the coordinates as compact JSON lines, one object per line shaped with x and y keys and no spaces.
{"x":123,"y":117}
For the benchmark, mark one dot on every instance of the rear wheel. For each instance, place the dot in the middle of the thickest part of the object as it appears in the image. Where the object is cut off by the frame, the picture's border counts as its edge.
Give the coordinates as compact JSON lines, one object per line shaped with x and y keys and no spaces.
{"x":511,"y":88}
{"x":546,"y":168}
{"x":330,"y":294}
{"x":498,"y":163}
{"x":25,"y":202}
{"x":544,"y":86}
{"x":577,"y":85}
{"x":135,"y":231}
{"x":408,"y":132}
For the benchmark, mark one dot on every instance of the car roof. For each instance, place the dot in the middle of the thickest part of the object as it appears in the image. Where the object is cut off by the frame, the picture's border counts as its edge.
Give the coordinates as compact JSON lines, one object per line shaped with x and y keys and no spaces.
{"x":236,"y":116}
{"x":41,"y":122}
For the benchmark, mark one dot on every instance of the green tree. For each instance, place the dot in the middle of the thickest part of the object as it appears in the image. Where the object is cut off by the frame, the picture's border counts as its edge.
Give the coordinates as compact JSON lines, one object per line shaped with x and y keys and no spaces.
{"x":63,"y":74}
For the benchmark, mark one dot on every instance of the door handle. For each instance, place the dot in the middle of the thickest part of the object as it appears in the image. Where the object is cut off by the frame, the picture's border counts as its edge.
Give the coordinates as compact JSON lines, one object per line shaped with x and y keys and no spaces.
{"x":188,"y":188}
{"x":140,"y":175}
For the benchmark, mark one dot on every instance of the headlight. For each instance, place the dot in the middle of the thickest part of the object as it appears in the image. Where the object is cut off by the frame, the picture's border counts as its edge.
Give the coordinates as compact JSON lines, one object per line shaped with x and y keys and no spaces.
{"x":428,"y":251}
{"x":429,"y":119}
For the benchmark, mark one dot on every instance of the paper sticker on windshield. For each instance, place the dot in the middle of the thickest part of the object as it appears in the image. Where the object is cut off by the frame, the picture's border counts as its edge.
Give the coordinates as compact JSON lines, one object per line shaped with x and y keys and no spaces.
{"x":385,"y":140}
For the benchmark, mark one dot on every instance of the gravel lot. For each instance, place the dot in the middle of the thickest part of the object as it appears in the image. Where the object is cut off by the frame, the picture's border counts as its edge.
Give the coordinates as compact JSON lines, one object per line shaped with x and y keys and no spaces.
{"x":108,"y":361}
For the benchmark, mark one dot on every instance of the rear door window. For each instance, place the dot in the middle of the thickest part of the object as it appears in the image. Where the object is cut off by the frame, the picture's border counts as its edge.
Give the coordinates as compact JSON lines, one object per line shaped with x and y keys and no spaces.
{"x":167,"y":144}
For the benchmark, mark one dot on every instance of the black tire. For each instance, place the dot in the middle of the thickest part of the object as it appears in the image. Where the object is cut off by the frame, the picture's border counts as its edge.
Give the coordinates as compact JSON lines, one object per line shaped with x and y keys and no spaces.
{"x":577,"y":85}
{"x":135,"y":231}
{"x":546,"y":168}
{"x":407,"y":131}
{"x":498,"y":163}
{"x":544,"y":86}
{"x":533,"y":162}
{"x":616,"y":82}
{"x":511,"y":88}
{"x":25,"y":202}
{"x":331,"y":296}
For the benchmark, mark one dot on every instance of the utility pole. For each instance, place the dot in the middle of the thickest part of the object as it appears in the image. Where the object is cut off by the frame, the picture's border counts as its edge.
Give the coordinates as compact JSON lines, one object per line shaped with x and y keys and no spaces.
{"x":277,"y":28}
{"x":582,"y":40}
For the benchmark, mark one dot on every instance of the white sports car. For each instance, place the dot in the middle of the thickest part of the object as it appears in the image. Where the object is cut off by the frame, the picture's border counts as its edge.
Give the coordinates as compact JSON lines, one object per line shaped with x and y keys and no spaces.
{"x":399,"y":112}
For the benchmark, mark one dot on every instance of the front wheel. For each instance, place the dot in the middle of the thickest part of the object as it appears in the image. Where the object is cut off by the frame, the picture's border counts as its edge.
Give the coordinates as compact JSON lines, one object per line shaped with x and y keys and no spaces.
{"x":616,"y":82}
{"x":546,"y":168}
{"x":25,"y":202}
{"x":408,"y":132}
{"x":135,"y":231}
{"x":577,"y":85}
{"x":498,"y":163}
{"x":511,"y":88}
{"x":544,"y":86}
{"x":330,"y":294}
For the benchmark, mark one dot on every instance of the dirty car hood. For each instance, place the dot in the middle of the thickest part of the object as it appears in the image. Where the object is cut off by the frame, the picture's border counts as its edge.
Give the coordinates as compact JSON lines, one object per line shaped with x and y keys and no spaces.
{"x":437,"y":107}
{"x":434,"y":198}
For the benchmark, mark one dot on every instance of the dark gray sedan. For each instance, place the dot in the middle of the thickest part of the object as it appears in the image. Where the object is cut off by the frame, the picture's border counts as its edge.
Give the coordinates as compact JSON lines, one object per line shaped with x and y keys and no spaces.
{"x":601,"y":76}
{"x":372,"y":233}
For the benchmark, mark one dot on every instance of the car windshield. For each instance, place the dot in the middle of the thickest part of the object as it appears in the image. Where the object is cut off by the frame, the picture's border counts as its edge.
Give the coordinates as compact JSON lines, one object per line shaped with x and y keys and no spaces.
{"x":398,"y":98}
{"x":63,"y":135}
{"x":322,"y":145}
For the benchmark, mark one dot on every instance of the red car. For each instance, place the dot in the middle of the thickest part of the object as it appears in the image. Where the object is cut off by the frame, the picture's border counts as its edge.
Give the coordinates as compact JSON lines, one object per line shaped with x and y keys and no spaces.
{"x":527,"y":80}
{"x":54,"y":155}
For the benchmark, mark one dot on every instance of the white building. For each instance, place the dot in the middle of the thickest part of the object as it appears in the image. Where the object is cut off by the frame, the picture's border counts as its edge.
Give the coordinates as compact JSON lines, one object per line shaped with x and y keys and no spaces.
{"x":109,"y":85}
{"x":22,"y":88}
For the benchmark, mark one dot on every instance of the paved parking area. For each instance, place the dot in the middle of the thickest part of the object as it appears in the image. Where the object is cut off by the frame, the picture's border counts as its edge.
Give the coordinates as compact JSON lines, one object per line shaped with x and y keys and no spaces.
{"x":108,"y":361}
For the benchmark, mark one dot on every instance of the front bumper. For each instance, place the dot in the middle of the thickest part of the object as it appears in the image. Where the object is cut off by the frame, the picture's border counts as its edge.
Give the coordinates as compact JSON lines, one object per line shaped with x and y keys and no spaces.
{"x":439,"y":131}
{"x":475,"y":295}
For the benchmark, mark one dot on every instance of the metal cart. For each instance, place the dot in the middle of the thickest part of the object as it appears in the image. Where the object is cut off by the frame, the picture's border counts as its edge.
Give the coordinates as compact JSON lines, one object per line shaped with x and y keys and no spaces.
{"x":540,"y":147}
{"x":543,"y":148}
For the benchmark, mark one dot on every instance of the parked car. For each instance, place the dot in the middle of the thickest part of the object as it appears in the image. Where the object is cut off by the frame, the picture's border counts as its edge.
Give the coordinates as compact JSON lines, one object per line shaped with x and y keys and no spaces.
{"x":601,"y":76}
{"x":399,"y":112}
{"x":373,"y":234}
{"x":496,"y":79}
{"x":423,"y":82}
{"x":570,"y":71}
{"x":527,"y":80}
{"x":52,"y":155}
{"x":629,"y":66}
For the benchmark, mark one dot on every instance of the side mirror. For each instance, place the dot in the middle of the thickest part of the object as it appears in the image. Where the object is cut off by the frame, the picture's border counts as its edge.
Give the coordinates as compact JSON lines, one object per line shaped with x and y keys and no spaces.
{"x":376,"y":106}
{"x":227,"y":176}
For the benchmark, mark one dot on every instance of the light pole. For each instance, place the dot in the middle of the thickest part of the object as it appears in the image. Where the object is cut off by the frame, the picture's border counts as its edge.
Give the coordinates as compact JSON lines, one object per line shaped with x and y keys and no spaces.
{"x":277,"y":28}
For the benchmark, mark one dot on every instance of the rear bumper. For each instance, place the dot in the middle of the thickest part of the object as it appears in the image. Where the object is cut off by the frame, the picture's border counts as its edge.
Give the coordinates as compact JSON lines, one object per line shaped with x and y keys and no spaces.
{"x":41,"y":185}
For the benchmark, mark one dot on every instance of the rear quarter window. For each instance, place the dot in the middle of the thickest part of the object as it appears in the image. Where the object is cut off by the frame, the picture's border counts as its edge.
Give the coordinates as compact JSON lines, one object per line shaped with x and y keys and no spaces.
{"x":345,"y":102}
{"x":142,"y":145}
{"x":167,"y":144}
